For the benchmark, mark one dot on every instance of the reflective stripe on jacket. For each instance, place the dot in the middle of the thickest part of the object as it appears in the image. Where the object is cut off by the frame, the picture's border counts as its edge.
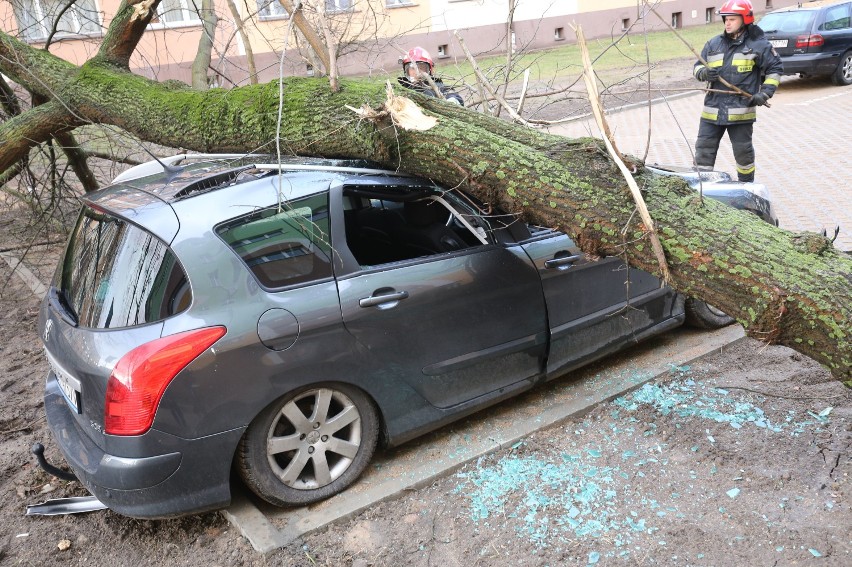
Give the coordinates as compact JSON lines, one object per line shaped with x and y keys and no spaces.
{"x":750,"y":63}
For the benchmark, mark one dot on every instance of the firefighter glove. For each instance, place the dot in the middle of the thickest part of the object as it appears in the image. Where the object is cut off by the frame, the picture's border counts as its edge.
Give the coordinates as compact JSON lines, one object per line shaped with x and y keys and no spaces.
{"x":759,"y":99}
{"x":708,"y":74}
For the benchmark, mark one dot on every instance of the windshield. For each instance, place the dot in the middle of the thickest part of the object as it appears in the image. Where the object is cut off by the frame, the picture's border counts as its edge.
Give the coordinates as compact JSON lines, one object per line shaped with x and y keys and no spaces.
{"x":117,"y":275}
{"x":787,"y":22}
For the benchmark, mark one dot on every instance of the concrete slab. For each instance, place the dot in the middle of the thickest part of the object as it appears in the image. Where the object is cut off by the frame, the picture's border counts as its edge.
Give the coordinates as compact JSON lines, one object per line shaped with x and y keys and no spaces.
{"x":18,"y":267}
{"x":421,"y":462}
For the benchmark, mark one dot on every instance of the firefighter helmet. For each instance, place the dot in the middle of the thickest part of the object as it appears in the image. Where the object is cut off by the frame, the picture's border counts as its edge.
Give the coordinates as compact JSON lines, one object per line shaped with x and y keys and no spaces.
{"x":738,"y":8}
{"x":417,"y":55}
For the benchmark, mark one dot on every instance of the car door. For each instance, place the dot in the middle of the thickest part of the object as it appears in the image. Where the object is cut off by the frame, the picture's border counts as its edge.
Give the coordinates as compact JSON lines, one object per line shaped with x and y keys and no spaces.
{"x":593,"y":306}
{"x":453,"y":325}
{"x":836,"y":28}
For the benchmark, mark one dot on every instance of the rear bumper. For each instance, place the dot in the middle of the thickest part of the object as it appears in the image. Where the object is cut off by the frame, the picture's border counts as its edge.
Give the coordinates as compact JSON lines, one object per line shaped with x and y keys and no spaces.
{"x":811,"y":63}
{"x":181,"y":476}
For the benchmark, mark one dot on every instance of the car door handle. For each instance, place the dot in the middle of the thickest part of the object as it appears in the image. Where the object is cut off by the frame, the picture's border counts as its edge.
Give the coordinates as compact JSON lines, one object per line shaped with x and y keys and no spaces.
{"x":563,"y":261}
{"x":374,"y":300}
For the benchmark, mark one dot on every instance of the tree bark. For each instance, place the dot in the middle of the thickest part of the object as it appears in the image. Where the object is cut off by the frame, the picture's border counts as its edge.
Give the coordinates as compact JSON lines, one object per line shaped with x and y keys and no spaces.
{"x":786,"y":288}
{"x":314,"y":40}
{"x":205,"y":45}
{"x":238,"y":22}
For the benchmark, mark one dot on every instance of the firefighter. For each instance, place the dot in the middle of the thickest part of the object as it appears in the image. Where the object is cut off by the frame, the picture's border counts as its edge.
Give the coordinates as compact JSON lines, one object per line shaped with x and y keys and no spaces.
{"x":743,"y":57}
{"x":416,"y":66}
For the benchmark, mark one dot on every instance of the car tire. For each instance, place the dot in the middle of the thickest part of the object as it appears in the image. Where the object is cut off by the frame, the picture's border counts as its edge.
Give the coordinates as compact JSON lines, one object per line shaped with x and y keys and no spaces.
{"x":295,"y":452}
{"x":843,"y":75}
{"x":704,"y":316}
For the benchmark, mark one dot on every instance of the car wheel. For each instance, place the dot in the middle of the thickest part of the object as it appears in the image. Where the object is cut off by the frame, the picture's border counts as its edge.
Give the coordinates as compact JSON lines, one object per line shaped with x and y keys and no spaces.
{"x":843,"y":75}
{"x":704,"y":316}
{"x":308,"y":445}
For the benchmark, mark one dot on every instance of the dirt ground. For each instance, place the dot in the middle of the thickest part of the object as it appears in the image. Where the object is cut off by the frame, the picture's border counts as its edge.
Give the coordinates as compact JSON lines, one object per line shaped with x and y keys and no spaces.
{"x":742,"y":458}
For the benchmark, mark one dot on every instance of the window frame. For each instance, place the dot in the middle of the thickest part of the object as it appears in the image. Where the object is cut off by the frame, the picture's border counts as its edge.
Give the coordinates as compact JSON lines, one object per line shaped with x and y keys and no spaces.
{"x":36,"y":9}
{"x":334,"y":6}
{"x":189,"y":11}
{"x":262,"y":4}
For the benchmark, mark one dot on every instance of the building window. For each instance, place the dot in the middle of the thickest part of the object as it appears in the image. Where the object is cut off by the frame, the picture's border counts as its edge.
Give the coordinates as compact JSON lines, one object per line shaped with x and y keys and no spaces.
{"x":443,"y":51}
{"x":310,"y":70}
{"x":768,"y":4}
{"x":625,"y":24}
{"x":677,"y":20}
{"x":270,"y":9}
{"x":559,"y":34}
{"x":709,"y":15}
{"x":338,"y":5}
{"x":36,"y":18}
{"x":396,"y":3}
{"x":177,"y":11}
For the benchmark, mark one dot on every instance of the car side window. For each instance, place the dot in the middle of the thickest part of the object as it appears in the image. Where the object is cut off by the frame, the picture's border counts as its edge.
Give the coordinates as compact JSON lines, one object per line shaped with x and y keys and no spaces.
{"x":286,"y":245}
{"x":837,"y":18}
{"x":383,"y":226}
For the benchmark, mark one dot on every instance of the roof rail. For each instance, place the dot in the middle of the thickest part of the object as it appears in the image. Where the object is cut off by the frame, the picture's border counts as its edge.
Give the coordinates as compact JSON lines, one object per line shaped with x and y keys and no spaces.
{"x":156,"y":166}
{"x":334,"y":168}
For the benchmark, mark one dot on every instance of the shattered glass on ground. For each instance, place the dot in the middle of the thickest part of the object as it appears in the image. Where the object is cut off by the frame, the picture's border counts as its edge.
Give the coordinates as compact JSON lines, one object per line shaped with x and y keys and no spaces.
{"x":584,"y":493}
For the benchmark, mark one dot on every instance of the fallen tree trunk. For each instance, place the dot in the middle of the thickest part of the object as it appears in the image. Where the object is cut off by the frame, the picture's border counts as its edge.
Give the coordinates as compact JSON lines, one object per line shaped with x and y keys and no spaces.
{"x":785,"y":288}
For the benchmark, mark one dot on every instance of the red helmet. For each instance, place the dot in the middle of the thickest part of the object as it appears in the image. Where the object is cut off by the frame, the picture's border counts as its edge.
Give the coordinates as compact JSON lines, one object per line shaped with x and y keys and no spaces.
{"x":418,"y":55}
{"x":738,"y":8}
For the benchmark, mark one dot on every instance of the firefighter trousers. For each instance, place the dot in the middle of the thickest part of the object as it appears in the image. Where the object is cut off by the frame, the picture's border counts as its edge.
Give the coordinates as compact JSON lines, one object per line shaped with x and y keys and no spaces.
{"x":707,"y":145}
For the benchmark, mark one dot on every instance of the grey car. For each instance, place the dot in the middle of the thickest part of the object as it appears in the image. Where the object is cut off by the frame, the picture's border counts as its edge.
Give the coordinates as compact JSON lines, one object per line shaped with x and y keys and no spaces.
{"x":813,"y":39}
{"x":218,"y":315}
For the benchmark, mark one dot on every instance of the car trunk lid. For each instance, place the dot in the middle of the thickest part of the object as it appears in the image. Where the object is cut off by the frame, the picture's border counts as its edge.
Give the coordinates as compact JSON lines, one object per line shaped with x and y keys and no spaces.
{"x":790,"y":32}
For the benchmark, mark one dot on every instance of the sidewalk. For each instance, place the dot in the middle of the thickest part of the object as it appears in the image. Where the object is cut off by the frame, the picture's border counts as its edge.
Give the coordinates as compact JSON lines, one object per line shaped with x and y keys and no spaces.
{"x":802,"y":144}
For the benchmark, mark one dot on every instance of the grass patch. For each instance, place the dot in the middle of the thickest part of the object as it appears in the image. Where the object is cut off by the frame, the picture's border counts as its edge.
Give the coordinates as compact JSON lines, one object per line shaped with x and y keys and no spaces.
{"x":564,"y":61}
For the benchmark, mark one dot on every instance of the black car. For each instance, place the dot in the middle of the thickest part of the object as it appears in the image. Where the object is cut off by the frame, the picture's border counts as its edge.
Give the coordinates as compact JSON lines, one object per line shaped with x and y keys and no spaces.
{"x":215,"y":314}
{"x":813,"y":39}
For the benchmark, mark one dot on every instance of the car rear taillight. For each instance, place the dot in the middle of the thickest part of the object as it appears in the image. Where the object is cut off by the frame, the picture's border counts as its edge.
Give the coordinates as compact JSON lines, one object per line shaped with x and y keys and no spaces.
{"x":812,"y":40}
{"x":141,"y":376}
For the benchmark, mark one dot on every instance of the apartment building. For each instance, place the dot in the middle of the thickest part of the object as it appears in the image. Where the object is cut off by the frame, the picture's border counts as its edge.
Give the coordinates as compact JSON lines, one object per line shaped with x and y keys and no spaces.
{"x":374,"y":33}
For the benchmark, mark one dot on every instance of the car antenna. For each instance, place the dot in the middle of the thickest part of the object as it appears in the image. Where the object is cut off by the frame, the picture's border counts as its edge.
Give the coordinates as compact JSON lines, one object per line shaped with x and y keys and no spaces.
{"x":170,"y":170}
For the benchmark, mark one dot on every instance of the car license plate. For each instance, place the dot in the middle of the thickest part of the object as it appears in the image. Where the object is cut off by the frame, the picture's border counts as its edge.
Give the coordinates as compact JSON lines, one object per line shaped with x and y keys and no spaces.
{"x":69,"y":385}
{"x":778,"y":42}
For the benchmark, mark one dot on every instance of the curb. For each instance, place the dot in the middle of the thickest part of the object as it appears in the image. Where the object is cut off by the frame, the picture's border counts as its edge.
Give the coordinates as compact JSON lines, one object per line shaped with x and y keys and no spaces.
{"x":631,"y":106}
{"x":419,"y":463}
{"x":31,"y":281}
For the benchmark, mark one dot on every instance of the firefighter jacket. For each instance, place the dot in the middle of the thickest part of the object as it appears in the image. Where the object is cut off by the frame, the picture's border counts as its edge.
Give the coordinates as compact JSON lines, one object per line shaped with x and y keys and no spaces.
{"x":424,"y":88}
{"x":750,"y":63}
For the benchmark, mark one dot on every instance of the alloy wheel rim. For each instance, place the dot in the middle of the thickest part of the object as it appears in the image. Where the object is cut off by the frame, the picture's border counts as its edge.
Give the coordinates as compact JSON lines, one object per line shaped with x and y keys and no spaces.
{"x":314,"y":438}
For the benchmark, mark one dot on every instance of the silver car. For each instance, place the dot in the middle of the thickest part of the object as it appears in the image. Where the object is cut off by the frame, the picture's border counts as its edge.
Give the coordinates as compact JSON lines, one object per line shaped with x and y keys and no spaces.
{"x":224,"y":314}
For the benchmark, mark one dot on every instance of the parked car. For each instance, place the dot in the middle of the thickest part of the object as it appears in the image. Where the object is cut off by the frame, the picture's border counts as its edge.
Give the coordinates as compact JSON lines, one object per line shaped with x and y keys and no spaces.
{"x":213,"y":314}
{"x":813,"y":39}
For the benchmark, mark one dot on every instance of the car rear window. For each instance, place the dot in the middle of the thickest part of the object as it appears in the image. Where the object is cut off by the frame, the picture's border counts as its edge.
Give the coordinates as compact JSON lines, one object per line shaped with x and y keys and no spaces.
{"x":788,"y":22}
{"x":117,"y":275}
{"x":283,"y":245}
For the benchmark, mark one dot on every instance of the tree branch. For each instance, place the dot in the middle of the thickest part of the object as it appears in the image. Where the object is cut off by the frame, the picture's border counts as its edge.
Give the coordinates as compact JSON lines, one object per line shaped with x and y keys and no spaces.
{"x":314,"y":40}
{"x":30,"y":128}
